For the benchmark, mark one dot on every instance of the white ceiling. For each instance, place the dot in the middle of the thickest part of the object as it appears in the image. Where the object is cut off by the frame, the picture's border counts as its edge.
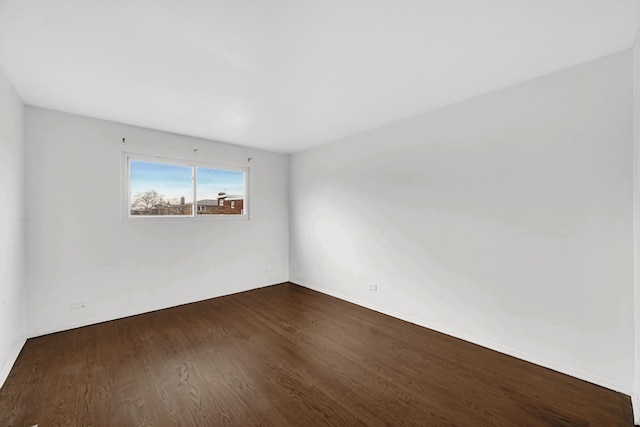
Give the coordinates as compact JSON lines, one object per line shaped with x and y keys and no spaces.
{"x":285,"y":75}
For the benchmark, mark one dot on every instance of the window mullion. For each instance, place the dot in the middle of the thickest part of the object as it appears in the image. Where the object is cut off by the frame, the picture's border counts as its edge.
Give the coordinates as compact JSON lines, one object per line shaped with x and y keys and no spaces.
{"x":194,"y":177}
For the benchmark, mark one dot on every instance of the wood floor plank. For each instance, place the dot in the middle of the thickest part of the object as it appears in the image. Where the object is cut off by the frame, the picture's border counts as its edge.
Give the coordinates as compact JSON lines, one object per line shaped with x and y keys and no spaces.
{"x":285,"y":355}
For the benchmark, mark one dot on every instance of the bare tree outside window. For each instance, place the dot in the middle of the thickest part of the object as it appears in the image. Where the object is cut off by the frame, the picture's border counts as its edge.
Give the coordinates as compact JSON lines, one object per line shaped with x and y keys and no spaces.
{"x":147,"y":203}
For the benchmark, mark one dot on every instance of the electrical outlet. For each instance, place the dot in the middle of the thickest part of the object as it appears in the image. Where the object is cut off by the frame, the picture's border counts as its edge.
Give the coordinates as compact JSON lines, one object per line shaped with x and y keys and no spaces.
{"x":373,"y":287}
{"x":77,"y":305}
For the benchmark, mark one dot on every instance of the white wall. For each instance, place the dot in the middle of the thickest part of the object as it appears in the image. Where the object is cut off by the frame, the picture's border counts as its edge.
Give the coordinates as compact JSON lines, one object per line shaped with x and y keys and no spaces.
{"x":13,"y":320}
{"x":80,"y":251}
{"x":505,"y":220}
{"x":635,"y":397}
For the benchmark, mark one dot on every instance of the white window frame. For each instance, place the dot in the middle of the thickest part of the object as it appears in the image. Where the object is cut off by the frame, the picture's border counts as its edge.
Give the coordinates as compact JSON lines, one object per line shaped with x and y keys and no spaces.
{"x":126,"y":189}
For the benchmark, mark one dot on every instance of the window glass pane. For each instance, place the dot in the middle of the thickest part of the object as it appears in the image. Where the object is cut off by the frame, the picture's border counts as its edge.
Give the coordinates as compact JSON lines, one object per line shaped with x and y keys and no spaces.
{"x":216,"y":189}
{"x":160,"y":189}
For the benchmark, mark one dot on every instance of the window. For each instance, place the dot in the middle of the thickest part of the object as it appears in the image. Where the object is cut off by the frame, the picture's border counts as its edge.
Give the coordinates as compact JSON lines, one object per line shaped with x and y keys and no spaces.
{"x":156,"y":187}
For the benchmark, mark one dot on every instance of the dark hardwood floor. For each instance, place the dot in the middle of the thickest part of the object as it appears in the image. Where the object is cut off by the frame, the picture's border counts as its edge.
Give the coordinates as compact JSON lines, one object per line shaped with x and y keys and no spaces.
{"x":281,"y":356}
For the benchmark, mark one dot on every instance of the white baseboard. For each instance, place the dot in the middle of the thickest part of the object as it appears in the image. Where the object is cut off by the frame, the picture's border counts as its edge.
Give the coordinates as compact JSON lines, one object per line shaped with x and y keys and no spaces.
{"x":12,"y":360}
{"x":586,"y":376}
{"x":636,"y":407}
{"x":101,"y":318}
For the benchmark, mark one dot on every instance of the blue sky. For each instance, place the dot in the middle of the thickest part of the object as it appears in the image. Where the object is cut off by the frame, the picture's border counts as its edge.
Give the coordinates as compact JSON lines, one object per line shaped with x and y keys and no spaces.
{"x":174,"y":181}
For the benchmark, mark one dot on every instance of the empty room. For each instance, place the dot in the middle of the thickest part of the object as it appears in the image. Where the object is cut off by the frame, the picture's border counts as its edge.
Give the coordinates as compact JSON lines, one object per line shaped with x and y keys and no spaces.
{"x":337,"y":213}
